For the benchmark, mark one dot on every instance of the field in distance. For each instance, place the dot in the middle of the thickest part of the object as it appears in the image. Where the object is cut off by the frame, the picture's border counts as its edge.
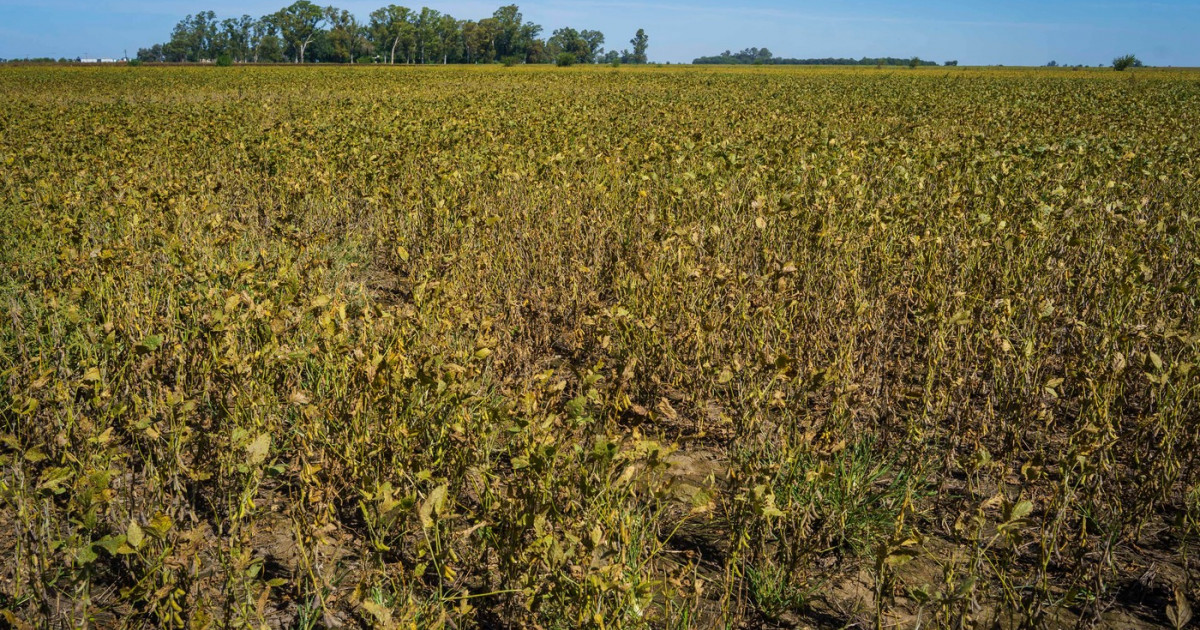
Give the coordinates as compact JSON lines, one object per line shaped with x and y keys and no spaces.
{"x":599,"y":347}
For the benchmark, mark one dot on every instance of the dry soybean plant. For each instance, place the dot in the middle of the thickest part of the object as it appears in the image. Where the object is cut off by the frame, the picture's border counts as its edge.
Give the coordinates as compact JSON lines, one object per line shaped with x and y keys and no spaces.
{"x":614,"y":348}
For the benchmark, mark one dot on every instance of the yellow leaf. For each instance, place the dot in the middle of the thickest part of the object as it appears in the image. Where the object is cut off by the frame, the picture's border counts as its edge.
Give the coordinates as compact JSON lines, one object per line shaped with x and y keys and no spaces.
{"x":258,"y":449}
{"x":381,"y":613}
{"x":433,"y":505}
{"x":134,"y":534}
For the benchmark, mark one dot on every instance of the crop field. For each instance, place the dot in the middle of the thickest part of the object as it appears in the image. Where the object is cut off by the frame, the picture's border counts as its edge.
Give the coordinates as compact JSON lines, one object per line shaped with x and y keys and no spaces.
{"x":322,"y":347}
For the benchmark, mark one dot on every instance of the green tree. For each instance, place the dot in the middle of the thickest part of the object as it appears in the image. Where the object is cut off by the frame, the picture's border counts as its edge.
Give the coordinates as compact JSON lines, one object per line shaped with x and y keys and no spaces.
{"x":193,"y":39}
{"x":1124,"y":62}
{"x":640,"y":42}
{"x":153,"y":53}
{"x":506,"y":33}
{"x":584,"y":45}
{"x":567,"y":40}
{"x":477,"y":41}
{"x":299,"y":24}
{"x":425,"y":34}
{"x":389,"y":27}
{"x":346,"y":39}
{"x":264,"y":37}
{"x":448,"y":34}
{"x":511,"y":36}
{"x":595,"y":44}
{"x":235,"y":37}
{"x":528,"y":39}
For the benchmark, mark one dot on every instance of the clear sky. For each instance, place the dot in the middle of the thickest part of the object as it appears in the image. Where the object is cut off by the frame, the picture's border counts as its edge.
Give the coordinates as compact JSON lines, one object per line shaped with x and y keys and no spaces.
{"x":1015,"y":32}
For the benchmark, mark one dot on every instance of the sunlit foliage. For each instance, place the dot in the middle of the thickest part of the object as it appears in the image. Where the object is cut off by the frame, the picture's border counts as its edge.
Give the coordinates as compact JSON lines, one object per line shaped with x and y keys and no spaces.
{"x":609,"y":348}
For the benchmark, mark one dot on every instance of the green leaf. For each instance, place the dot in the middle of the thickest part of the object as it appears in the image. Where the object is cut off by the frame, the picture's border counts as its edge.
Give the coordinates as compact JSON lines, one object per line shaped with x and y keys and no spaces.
{"x":576,"y":407}
{"x":111,"y":544}
{"x":86,"y":555}
{"x":149,"y":344}
{"x":35,"y":454}
{"x":1156,"y":360}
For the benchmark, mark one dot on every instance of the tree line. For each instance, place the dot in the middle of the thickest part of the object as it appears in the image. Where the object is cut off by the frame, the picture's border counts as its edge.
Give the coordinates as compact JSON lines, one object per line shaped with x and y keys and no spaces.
{"x":305,"y":32}
{"x":764,"y":56}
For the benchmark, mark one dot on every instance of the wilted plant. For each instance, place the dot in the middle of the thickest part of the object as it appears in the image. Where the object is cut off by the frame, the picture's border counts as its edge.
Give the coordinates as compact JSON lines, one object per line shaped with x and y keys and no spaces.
{"x":469,"y":347}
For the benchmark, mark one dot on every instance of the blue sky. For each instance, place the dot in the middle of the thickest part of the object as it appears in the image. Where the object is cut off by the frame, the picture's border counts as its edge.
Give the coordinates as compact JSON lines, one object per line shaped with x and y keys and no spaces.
{"x":1017,"y":32}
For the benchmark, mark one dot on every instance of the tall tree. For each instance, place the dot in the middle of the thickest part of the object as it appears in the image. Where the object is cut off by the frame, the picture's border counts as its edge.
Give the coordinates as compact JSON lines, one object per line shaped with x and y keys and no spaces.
{"x":193,"y":39}
{"x":389,"y":26}
{"x":346,"y":40}
{"x":299,"y":24}
{"x":510,"y":36}
{"x":449,"y":37}
{"x":235,"y":37}
{"x":245,"y":29}
{"x":264,"y":35}
{"x":567,"y":40}
{"x":478,"y":43}
{"x":595,"y":43}
{"x":425,"y":33}
{"x":153,"y":53}
{"x":304,"y":31}
{"x":640,"y":41}
{"x":584,"y":45}
{"x":506,"y":32}
{"x":527,"y":38}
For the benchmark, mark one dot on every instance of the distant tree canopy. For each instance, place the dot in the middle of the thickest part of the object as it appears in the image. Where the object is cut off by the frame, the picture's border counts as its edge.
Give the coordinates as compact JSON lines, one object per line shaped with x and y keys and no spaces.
{"x":640,"y":42}
{"x":1125,"y":62}
{"x":764,"y":56}
{"x":306,"y":32}
{"x":585,"y":46}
